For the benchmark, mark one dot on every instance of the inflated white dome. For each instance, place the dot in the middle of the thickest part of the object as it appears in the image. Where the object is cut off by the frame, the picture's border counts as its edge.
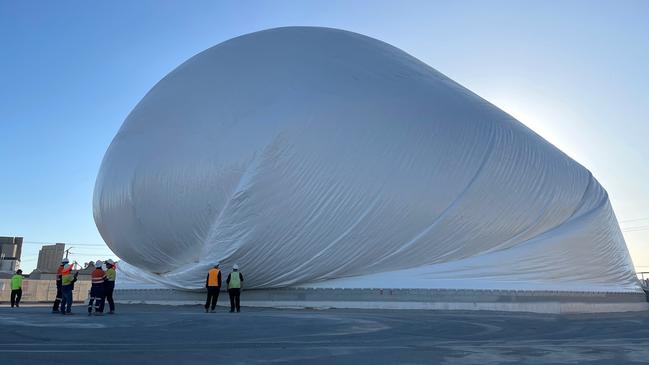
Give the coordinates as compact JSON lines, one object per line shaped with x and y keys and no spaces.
{"x":311,"y":154}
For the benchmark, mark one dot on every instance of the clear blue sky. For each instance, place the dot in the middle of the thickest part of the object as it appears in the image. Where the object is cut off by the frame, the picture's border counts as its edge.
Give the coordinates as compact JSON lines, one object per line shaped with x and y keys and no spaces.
{"x":574,"y":71}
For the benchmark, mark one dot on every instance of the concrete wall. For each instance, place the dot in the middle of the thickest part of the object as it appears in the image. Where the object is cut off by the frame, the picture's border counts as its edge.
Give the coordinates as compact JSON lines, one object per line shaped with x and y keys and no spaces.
{"x":433,"y":299}
{"x":42,"y":290}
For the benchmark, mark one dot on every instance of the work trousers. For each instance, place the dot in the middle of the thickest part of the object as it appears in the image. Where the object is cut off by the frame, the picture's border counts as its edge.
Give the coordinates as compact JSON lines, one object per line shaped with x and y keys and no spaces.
{"x":57,"y":301}
{"x":212,"y":296}
{"x":16,"y":294}
{"x":96,"y":298}
{"x":66,"y":298}
{"x":108,"y":292}
{"x":235,"y":299}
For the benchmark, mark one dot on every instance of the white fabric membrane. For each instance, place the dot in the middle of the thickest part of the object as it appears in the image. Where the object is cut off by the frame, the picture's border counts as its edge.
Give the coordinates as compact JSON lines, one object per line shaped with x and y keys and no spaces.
{"x":320,"y":157}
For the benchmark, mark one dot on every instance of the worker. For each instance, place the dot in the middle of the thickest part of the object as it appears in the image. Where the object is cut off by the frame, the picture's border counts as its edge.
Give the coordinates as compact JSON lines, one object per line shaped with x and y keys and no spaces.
{"x":99,"y":279}
{"x":57,"y":301}
{"x":234,"y":280}
{"x":16,"y":288}
{"x":110,"y":284}
{"x":213,"y":286}
{"x":68,"y":278}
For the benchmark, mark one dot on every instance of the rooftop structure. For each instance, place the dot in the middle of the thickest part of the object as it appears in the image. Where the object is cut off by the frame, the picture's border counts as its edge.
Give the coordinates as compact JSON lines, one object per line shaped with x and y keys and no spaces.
{"x":10,"y":252}
{"x":49,"y":258}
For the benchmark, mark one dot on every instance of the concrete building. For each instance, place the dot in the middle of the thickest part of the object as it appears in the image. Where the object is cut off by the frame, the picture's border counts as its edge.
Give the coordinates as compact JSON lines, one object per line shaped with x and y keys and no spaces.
{"x":10,"y":251}
{"x":49,"y":258}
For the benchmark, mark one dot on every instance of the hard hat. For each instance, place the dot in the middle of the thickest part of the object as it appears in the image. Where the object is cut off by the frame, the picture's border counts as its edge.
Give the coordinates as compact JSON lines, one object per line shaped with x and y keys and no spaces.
{"x":65,"y":261}
{"x":235,"y":267}
{"x":98,"y":263}
{"x":110,"y":262}
{"x":217,"y":264}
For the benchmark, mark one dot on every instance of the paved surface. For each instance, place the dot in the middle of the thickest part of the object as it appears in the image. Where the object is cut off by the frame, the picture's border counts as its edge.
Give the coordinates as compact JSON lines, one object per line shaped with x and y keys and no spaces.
{"x":150,"y":334}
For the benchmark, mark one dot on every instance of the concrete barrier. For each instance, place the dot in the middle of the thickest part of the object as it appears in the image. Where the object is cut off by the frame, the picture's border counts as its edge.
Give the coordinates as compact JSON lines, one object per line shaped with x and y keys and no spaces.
{"x":431,"y":299}
{"x":39,"y":291}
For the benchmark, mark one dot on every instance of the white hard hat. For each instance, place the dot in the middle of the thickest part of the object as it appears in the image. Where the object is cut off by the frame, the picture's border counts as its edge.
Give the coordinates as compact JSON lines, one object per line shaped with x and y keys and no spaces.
{"x":235,"y":267}
{"x":98,"y":263}
{"x":65,"y":260}
{"x":110,"y":262}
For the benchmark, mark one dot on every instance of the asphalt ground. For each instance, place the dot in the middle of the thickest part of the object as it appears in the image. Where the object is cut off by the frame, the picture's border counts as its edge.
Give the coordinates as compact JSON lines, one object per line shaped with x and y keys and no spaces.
{"x":153,"y":334}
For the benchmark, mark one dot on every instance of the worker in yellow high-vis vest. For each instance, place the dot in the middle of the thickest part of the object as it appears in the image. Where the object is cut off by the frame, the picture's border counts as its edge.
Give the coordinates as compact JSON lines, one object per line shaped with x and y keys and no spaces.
{"x":16,"y":288}
{"x":68,"y":278}
{"x":235,"y":280}
{"x":213,"y":286}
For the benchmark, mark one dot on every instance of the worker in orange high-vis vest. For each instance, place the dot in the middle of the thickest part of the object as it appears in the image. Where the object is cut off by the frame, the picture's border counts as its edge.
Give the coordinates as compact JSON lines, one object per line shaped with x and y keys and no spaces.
{"x":99,"y":279}
{"x":213,"y":285}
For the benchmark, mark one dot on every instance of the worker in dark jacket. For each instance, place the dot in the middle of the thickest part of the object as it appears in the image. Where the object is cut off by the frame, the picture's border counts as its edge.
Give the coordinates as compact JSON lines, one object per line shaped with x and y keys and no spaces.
{"x":213,"y":286}
{"x":16,"y":288}
{"x":57,"y":301}
{"x":110,"y":284}
{"x":235,"y":280}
